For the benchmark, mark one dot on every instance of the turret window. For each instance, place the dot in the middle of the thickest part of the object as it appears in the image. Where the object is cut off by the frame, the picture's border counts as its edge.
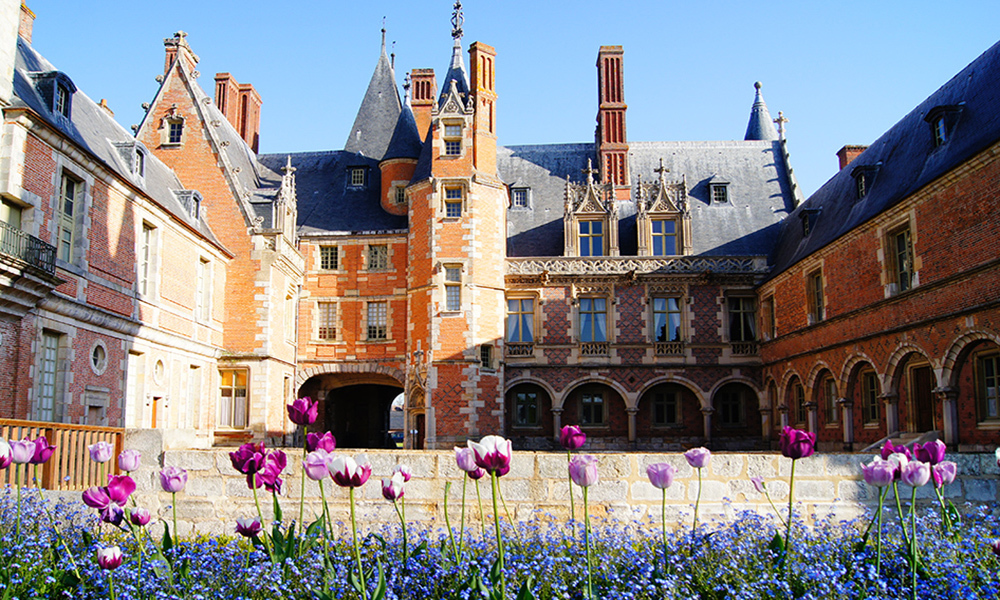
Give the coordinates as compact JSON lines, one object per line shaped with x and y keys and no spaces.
{"x":452,"y":139}
{"x":400,"y":194}
{"x":453,"y":202}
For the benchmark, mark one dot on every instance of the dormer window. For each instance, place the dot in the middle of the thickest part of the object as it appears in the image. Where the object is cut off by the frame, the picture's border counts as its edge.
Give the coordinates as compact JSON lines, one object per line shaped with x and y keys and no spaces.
{"x":57,"y":90}
{"x":140,"y":163}
{"x":62,"y":100}
{"x":720,"y":193}
{"x":176,"y":131}
{"x":191,"y":201}
{"x":519,"y":197}
{"x":942,"y":120}
{"x":133,"y":154}
{"x":172,"y":128}
{"x":809,"y":217}
{"x":864,"y":178}
{"x":356,"y":177}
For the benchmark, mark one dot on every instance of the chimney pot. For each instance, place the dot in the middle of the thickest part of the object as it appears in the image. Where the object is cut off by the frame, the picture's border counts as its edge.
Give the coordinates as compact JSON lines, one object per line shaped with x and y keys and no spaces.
{"x":847,"y":154}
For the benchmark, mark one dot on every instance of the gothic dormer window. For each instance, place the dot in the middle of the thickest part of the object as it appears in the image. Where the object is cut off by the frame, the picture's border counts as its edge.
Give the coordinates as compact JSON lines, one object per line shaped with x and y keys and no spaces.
{"x":864,"y":178}
{"x":172,"y":128}
{"x":809,"y":218}
{"x":663,"y":218}
{"x":56,"y":90}
{"x":942,"y":120}
{"x":591,"y":218}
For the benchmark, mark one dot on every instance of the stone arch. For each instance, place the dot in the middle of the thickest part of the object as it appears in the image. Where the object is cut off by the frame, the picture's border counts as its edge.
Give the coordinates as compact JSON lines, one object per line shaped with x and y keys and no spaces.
{"x":787,"y":377}
{"x":955,"y":350}
{"x":753,"y":385}
{"x":890,"y":379}
{"x":814,"y":373}
{"x":570,"y":387}
{"x":349,"y":368}
{"x":852,"y":362}
{"x":511,"y":384}
{"x":682,"y":381}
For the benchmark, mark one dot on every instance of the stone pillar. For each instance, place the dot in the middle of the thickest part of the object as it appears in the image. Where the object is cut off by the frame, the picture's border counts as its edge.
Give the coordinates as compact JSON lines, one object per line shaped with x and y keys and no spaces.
{"x":847,"y":414}
{"x":812,"y":408}
{"x":556,"y":423}
{"x":706,"y":415}
{"x":632,"y":411}
{"x":891,"y":413}
{"x":948,"y":396}
{"x":783,"y":409}
{"x":765,"y":424}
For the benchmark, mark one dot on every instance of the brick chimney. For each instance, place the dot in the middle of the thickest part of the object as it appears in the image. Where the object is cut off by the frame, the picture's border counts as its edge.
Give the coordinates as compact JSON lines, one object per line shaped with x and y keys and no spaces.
{"x":612,"y":142}
{"x":240,"y":103}
{"x":849,"y":153}
{"x":27,"y":23}
{"x":483,"y":62}
{"x":424,"y":94}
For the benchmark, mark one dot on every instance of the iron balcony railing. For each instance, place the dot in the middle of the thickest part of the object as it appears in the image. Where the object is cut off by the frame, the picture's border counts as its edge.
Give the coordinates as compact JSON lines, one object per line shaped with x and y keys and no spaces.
{"x":27,"y":248}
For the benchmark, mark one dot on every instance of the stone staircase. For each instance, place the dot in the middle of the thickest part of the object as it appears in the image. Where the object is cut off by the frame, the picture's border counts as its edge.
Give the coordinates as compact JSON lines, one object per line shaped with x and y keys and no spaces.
{"x":906,"y":438}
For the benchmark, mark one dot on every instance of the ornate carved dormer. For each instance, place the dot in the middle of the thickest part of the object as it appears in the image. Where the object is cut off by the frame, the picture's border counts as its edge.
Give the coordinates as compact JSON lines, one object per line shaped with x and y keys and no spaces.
{"x":590,"y":217}
{"x":286,"y":202}
{"x":663,"y":216}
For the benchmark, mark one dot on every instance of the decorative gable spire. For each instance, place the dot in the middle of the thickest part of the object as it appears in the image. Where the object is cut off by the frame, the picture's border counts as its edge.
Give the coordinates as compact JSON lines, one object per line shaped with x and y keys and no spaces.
{"x":761,"y":126}
{"x":456,"y":71}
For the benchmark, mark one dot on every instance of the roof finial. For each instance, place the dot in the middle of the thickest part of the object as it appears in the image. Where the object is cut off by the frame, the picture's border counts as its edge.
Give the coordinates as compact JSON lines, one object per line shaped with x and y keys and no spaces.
{"x":392,"y":57}
{"x":457,"y":20}
{"x":406,"y":90}
{"x":780,"y":121}
{"x":589,"y":172}
{"x":383,"y":34}
{"x":662,"y":171}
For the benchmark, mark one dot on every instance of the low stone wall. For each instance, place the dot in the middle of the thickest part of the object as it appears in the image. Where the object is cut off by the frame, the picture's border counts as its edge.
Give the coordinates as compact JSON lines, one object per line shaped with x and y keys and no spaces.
{"x":536,"y":487}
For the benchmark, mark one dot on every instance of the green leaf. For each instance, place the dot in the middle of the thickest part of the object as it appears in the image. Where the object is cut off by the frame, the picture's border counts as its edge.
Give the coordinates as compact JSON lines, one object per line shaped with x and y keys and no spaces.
{"x":87,"y":538}
{"x":495,"y":573}
{"x":956,"y":517}
{"x":524,"y":593}
{"x":168,"y":542}
{"x":277,"y":507}
{"x":352,"y":580}
{"x":858,"y":547}
{"x":380,"y":586}
{"x":316,"y":527}
{"x":417,"y":551}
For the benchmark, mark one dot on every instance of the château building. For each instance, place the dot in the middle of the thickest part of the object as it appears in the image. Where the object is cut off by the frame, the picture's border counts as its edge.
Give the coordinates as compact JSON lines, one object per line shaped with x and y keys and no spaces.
{"x":659,"y":294}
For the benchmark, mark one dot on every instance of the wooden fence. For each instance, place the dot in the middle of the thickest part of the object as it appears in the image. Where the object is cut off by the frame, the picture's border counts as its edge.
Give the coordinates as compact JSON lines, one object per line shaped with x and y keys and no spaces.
{"x":70,"y":467}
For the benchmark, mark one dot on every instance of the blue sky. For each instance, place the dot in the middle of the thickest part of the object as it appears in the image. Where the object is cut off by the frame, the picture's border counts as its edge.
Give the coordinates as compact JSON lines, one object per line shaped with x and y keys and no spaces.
{"x":842,"y":72}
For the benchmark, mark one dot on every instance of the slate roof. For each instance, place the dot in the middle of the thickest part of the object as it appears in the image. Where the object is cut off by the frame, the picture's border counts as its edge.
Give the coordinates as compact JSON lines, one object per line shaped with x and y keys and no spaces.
{"x":93,"y":129}
{"x":405,"y":142}
{"x":760,"y":193}
{"x":909,"y":161}
{"x":326,"y":204}
{"x":456,"y":73}
{"x":761,"y":126}
{"x":376,"y":119}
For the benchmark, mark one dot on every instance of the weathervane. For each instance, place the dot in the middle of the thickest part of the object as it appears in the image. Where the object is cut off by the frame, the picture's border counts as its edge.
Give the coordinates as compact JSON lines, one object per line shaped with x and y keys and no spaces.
{"x":457,"y":20}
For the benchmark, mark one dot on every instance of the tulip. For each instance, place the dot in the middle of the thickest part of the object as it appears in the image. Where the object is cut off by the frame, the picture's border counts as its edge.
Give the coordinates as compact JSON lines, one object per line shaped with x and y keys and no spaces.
{"x":271,"y":475}
{"x":931,"y":453}
{"x":43,"y":451}
{"x":493,"y":454}
{"x":348,"y":472}
{"x":316,"y":441}
{"x":796,"y":444}
{"x":112,"y":514}
{"x":889,"y":449}
{"x":404,"y":471}
{"x":303,"y":411}
{"x":583,"y":470}
{"x":109,"y":558}
{"x":758,"y":484}
{"x":173,"y":479}
{"x":101,"y":452}
{"x":465,"y":458}
{"x":392,"y":487}
{"x":916,"y":474}
{"x":96,"y":497}
{"x":128,"y":460}
{"x":22,"y":451}
{"x":944,"y":473}
{"x":698,"y":457}
{"x":5,"y":456}
{"x":661,"y":475}
{"x":248,"y":527}
{"x":139,"y":517}
{"x":898,"y":460}
{"x":249,"y":458}
{"x":119,"y":488}
{"x":996,"y":544}
{"x":879,"y":473}
{"x":314,"y":465}
{"x":477,"y":474}
{"x":572,"y":437}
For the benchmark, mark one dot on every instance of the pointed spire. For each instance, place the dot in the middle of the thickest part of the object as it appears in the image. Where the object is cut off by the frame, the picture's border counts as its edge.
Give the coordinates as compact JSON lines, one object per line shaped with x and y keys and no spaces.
{"x":456,"y":71}
{"x":761,"y":126}
{"x":376,"y":119}
{"x":383,"y":34}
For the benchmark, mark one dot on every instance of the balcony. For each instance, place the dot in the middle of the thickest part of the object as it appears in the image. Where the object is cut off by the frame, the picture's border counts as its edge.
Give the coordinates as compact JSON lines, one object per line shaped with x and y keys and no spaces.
{"x":26,"y":249}
{"x":594,"y":348}
{"x":519,"y":349}
{"x":745,"y":348}
{"x":669,"y":348}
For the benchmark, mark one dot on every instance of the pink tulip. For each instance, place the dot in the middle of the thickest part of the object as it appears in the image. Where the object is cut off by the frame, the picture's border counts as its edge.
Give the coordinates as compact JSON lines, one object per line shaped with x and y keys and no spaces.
{"x":916,"y":473}
{"x":248,"y":527}
{"x":758,"y":484}
{"x":583,"y":470}
{"x":348,"y":472}
{"x":572,"y":437}
{"x":796,"y":444}
{"x":22,"y":451}
{"x":109,"y":558}
{"x":325,"y":441}
{"x":140,"y":517}
{"x":315,"y":465}
{"x":466,"y":459}
{"x":5,"y":457}
{"x":698,"y":457}
{"x":879,"y":473}
{"x":931,"y":453}
{"x":96,"y":497}
{"x":101,"y":452}
{"x":392,"y":487}
{"x":889,"y":448}
{"x":404,"y":471}
{"x":119,"y":488}
{"x":944,"y":473}
{"x":661,"y":475}
{"x":493,"y":454}
{"x":303,"y":411}
{"x":173,"y":479}
{"x":129,"y":460}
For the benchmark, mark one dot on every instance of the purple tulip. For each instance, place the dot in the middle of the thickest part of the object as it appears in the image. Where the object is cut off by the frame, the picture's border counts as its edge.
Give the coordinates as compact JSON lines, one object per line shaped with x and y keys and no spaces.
{"x":879,"y":473}
{"x":583,"y":470}
{"x":758,"y":484}
{"x":113,"y":514}
{"x":43,"y":451}
{"x":271,"y":475}
{"x":466,"y":459}
{"x":248,"y":527}
{"x":314,"y":464}
{"x":316,"y":441}
{"x":996,"y":546}
{"x":931,"y":453}
{"x":249,"y":458}
{"x":493,"y":454}
{"x":898,"y":460}
{"x":698,"y":457}
{"x":96,"y":497}
{"x":404,"y":471}
{"x":392,"y":487}
{"x":303,"y":411}
{"x":348,"y":472}
{"x":572,"y":437}
{"x":119,"y":488}
{"x":5,"y":458}
{"x":101,"y":452}
{"x":916,"y":473}
{"x":889,"y":449}
{"x":22,"y":451}
{"x":477,"y":474}
{"x":109,"y":558}
{"x":139,"y":517}
{"x":944,"y":473}
{"x":796,"y":444}
{"x":173,"y":479}
{"x":128,"y":460}
{"x":661,"y":475}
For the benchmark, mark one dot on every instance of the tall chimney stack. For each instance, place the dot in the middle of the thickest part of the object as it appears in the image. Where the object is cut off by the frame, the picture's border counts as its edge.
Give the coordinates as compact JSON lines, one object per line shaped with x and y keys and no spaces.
{"x":27,"y":23}
{"x":848,"y":153}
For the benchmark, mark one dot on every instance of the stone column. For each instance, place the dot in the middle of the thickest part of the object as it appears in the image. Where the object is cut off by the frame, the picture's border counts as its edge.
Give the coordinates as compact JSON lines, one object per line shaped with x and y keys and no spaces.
{"x":765,"y":424}
{"x":813,"y":416}
{"x":891,"y":402}
{"x":783,"y":409}
{"x":556,"y":423}
{"x":847,"y":414}
{"x":632,"y":411}
{"x":948,"y":396}
{"x":706,"y":415}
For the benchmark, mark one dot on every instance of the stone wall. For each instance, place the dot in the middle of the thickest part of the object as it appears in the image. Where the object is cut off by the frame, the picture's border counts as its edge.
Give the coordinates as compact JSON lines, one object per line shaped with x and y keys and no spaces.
{"x":536,"y":486}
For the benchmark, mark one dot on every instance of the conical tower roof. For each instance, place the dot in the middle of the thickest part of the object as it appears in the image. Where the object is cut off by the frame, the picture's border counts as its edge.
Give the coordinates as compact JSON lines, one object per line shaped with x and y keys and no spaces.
{"x":456,"y":71}
{"x":405,"y":142}
{"x":376,"y":120}
{"x":760,"y":127}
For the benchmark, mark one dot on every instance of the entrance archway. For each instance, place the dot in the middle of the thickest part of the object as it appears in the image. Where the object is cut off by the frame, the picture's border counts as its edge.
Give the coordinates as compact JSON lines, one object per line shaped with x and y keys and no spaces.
{"x":355,"y":407}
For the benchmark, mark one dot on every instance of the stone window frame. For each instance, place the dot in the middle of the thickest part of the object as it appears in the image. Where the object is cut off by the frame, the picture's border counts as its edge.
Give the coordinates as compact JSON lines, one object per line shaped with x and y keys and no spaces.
{"x":203,"y":292}
{"x":868,"y":400}
{"x":60,"y":361}
{"x":681,"y":312}
{"x":487,"y":361}
{"x":322,"y":260}
{"x":378,"y":266}
{"x":800,"y":410}
{"x":676,"y":235}
{"x":537,"y":422}
{"x":357,"y":177}
{"x":719,"y":193}
{"x":399,"y":194}
{"x":608,"y":317}
{"x":891,"y":272}
{"x":74,"y":222}
{"x":366,"y":321}
{"x":148,"y":260}
{"x":335,"y":325}
{"x":678,"y":408}
{"x":459,"y":187}
{"x":231,"y":425}
{"x":96,"y":365}
{"x":590,"y":236}
{"x":524,"y":202}
{"x":979,"y":376}
{"x":740,"y":295}
{"x":815,"y":296}
{"x":96,"y":397}
{"x":452,"y":145}
{"x":452,"y":278}
{"x":768,"y":318}
{"x":828,"y":394}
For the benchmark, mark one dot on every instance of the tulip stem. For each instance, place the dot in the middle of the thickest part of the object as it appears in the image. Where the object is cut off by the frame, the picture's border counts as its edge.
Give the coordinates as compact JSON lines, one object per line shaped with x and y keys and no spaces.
{"x":111,"y":585}
{"x":447,"y":521}
{"x":878,"y":534}
{"x":697,"y":502}
{"x":945,"y":517}
{"x":586,"y":538}
{"x":572,"y":502}
{"x":461,"y":527}
{"x":899,"y":509}
{"x":788,"y":525}
{"x":302,"y":496}
{"x":17,"y":484}
{"x":913,"y":543}
{"x":357,"y":549}
{"x":401,"y":513}
{"x":482,"y":516}
{"x":55,"y":527}
{"x":663,"y":519}
{"x":256,"y":501}
{"x":177,"y":534}
{"x":495,"y":484}
{"x":506,"y":512}
{"x":326,"y":527}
